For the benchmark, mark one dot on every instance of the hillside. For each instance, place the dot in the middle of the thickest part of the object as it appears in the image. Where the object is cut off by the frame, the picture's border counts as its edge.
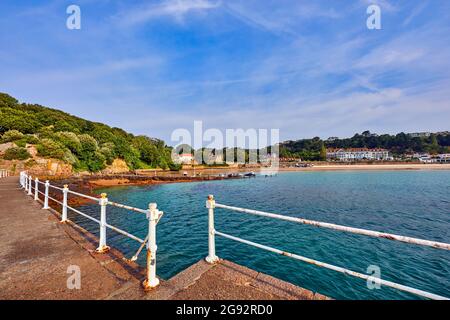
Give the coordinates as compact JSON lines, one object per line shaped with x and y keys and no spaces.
{"x":399,"y":144}
{"x":86,"y":145}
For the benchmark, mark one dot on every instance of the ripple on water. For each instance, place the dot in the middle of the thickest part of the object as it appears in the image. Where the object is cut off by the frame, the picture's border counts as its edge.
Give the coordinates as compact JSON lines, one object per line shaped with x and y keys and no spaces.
{"x":409,"y":203}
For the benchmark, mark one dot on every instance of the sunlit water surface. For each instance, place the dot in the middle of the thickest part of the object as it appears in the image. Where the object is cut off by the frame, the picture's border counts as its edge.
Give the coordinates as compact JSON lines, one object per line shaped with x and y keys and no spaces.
{"x":411,"y":203}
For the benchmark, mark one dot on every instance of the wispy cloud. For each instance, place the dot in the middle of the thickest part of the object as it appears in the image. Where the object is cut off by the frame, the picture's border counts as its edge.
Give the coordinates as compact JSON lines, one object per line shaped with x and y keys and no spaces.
{"x":176,"y":9}
{"x":415,"y":12}
{"x":306,"y":67}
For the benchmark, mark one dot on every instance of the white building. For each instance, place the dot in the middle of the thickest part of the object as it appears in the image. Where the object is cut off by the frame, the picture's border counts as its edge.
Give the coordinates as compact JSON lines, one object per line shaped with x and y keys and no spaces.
{"x":357,"y":154}
{"x":443,"y":158}
{"x":419,"y":134}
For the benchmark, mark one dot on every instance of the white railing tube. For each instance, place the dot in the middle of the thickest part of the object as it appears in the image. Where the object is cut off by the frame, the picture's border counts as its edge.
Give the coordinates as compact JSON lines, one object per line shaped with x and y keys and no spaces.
{"x":376,"y":234}
{"x":102,"y":247}
{"x":47,"y":186}
{"x":30,"y":180}
{"x":338,"y":269}
{"x":36,"y":189}
{"x":153,"y":215}
{"x":64,"y":206}
{"x":210,"y":205}
{"x":26,"y":182}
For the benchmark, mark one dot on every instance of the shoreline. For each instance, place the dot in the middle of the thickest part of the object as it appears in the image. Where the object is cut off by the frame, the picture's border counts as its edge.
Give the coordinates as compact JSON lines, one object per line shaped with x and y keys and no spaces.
{"x":369,"y":167}
{"x":88,"y":184}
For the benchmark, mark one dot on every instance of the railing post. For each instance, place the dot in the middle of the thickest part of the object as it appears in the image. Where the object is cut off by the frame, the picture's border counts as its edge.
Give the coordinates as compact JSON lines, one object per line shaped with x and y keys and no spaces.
{"x":211,"y":204}
{"x":152,"y":215}
{"x":64,"y":206}
{"x":30,"y":180}
{"x":36,"y":189}
{"x":102,"y":247}
{"x":25,"y":176}
{"x":47,"y":186}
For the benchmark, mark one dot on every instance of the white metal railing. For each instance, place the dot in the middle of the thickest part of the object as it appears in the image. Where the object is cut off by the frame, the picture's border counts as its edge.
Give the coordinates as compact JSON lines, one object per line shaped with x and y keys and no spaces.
{"x":153,"y":215}
{"x":212,"y":232}
{"x":4,"y":173}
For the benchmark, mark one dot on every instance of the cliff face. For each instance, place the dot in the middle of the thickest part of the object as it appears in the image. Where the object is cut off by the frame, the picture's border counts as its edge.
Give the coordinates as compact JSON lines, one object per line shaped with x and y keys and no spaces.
{"x":6,"y":146}
{"x":38,"y":167}
{"x":118,"y":166}
{"x":56,"y":168}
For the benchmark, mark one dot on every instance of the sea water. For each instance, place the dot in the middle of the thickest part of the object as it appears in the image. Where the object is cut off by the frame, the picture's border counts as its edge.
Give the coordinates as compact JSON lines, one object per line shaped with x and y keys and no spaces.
{"x":410,"y":203}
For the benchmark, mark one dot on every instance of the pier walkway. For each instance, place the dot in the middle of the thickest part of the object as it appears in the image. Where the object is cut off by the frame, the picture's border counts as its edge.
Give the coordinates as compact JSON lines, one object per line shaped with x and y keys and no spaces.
{"x":38,"y":255}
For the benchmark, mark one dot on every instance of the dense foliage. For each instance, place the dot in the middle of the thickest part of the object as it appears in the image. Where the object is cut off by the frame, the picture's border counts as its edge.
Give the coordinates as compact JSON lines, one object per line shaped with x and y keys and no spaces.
{"x":85,"y":144}
{"x":313,"y":149}
{"x":16,"y":153}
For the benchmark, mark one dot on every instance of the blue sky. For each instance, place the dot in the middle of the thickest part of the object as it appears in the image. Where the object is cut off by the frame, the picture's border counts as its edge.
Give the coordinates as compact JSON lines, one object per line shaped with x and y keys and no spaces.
{"x":309,"y":68}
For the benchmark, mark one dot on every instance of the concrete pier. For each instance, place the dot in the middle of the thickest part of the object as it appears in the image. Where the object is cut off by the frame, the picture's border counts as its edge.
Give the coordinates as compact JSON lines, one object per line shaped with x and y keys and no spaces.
{"x":37,"y":255}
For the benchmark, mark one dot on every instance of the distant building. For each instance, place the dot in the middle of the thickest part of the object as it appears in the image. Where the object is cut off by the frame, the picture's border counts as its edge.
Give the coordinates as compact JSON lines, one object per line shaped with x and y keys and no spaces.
{"x":420,"y":134}
{"x":330,"y":139}
{"x":443,"y":158}
{"x":268,"y":158}
{"x":427,"y":158}
{"x":357,"y":154}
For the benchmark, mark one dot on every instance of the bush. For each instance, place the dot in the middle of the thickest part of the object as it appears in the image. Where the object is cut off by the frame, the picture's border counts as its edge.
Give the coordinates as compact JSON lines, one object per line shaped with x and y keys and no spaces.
{"x":88,"y":144}
{"x":12,"y":135}
{"x":30,"y":163}
{"x":16,"y":153}
{"x":70,"y":158}
{"x":70,"y":140}
{"x":107,"y":150}
{"x":50,"y":148}
{"x":96,"y":162}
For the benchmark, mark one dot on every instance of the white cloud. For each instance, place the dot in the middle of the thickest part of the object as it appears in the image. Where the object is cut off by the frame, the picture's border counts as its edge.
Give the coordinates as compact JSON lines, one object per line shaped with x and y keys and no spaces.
{"x":176,"y":9}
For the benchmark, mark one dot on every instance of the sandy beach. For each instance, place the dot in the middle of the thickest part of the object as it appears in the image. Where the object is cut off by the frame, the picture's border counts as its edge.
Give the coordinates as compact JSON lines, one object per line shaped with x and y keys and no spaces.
{"x":398,"y":166}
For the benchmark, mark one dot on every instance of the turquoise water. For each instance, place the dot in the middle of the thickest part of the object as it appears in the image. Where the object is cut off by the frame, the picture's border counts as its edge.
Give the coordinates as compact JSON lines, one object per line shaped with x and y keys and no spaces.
{"x":411,"y":203}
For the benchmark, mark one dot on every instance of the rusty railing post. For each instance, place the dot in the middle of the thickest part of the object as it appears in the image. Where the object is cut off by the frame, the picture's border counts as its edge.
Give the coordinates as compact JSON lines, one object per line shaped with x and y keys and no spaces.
{"x":210,"y":205}
{"x":102,"y":247}
{"x":153,"y":215}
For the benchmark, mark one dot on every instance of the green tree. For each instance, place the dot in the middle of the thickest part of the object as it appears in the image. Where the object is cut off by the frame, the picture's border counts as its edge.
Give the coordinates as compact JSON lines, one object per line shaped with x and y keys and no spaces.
{"x":50,"y":148}
{"x":323,"y":152}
